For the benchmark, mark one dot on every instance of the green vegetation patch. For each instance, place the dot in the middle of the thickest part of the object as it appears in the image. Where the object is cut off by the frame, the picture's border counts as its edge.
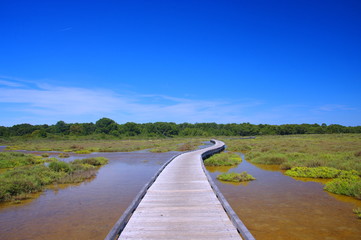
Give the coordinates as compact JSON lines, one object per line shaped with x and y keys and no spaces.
{"x":316,"y":172}
{"x":235,"y":177}
{"x":345,"y":186}
{"x":31,"y":175}
{"x":16,"y":159}
{"x":223,"y":159}
{"x":357,"y":211}
{"x":25,"y":180}
{"x":340,"y":151}
{"x":83,"y":151}
{"x":95,"y":161}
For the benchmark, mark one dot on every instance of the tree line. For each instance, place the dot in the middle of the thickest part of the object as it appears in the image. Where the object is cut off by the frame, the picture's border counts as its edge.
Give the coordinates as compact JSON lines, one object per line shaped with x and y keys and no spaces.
{"x":108,"y":127}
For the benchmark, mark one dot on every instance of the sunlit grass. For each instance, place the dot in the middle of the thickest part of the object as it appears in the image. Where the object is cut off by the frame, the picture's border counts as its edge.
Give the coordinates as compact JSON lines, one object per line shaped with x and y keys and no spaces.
{"x":235,"y":177}
{"x":25,"y":174}
{"x":106,"y":145}
{"x":223,"y":159}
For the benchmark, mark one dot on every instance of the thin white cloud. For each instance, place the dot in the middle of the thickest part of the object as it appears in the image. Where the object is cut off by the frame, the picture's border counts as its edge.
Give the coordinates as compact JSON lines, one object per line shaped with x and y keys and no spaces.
{"x":10,"y":83}
{"x":47,"y":100}
{"x":45,"y":103}
{"x":334,"y":107}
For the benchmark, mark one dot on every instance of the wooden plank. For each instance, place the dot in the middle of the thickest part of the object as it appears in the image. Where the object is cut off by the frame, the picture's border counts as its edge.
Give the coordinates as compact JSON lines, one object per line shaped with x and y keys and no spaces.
{"x":181,"y":204}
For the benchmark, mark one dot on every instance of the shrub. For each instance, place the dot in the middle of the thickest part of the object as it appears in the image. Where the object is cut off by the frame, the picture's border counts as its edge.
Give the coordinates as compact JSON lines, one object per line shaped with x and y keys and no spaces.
{"x":59,"y":166}
{"x":95,"y":161}
{"x":345,"y":186}
{"x":316,"y":172}
{"x":26,"y":179}
{"x":223,"y":159}
{"x":16,"y":159}
{"x":321,"y":172}
{"x":83,"y":152}
{"x":235,"y":177}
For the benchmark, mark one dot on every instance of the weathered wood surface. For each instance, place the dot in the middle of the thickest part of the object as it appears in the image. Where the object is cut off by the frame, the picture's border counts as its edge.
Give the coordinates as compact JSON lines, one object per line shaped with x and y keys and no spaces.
{"x":181,"y":205}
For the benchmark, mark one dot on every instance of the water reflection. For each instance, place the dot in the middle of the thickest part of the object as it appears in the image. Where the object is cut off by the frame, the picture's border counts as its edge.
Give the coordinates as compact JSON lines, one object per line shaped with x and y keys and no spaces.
{"x":275,"y":206}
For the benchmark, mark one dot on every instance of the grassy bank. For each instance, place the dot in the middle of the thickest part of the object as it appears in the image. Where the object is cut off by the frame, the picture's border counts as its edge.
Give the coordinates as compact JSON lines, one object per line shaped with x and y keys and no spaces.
{"x":105,"y":145}
{"x":340,"y":151}
{"x":223,"y":159}
{"x":24,"y":174}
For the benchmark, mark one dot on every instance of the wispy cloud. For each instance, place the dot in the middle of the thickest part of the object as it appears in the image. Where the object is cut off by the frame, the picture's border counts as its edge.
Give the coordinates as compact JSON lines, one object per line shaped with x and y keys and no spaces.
{"x":334,"y":107}
{"x":47,"y":100}
{"x":37,"y":103}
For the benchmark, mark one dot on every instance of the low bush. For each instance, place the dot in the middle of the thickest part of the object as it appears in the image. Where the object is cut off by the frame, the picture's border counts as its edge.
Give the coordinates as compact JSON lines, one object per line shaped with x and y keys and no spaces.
{"x":59,"y":166}
{"x":26,"y":179}
{"x":223,"y":159}
{"x":16,"y":159}
{"x":95,"y":161}
{"x":235,"y":177}
{"x":316,"y":172}
{"x":345,"y":186}
{"x":83,"y":151}
{"x":321,"y":172}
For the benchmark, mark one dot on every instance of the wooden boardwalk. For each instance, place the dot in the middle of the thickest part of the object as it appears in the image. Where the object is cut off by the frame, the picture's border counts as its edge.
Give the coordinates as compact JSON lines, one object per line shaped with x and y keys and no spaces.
{"x":181,"y":204}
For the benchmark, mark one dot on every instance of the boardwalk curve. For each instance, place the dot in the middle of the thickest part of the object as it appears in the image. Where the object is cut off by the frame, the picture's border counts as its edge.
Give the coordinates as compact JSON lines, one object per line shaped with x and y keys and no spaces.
{"x":181,"y":202}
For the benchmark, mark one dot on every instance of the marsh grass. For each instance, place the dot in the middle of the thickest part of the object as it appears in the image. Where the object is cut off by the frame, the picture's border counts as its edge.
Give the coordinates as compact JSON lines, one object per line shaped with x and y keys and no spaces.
{"x":84,"y":146}
{"x":26,"y":174}
{"x":315,"y":172}
{"x":345,"y":186}
{"x":16,"y":159}
{"x":357,"y":211}
{"x":340,"y":151}
{"x":223,"y":159}
{"x":332,"y":156}
{"x":235,"y":177}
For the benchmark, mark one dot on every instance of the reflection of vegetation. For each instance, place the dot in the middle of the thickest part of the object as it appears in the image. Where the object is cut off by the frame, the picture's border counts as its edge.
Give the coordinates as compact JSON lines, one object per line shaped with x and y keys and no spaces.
{"x":222,"y":169}
{"x":223,"y":159}
{"x":29,"y":175}
{"x":63,"y":155}
{"x":357,"y":211}
{"x":235,"y":177}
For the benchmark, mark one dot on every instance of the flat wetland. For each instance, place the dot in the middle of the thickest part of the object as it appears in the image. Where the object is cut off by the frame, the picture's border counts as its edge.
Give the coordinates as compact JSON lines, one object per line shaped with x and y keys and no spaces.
{"x":274,"y":206}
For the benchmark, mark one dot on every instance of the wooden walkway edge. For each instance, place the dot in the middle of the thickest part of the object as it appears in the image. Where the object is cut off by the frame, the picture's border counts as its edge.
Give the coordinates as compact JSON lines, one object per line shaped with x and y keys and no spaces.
{"x":181,"y":202}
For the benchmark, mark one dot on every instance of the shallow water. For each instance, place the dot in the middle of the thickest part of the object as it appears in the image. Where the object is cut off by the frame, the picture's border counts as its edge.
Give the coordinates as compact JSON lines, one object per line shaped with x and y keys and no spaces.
{"x":87,"y":210}
{"x":275,"y":206}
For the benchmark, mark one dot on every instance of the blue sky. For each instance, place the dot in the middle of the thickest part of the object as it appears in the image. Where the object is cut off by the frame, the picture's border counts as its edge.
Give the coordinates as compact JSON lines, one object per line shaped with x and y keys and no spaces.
{"x":270,"y":62}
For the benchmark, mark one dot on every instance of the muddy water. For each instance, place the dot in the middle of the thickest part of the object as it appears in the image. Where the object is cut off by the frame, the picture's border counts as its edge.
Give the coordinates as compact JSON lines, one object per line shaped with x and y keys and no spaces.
{"x":84,"y":211}
{"x":276,"y":206}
